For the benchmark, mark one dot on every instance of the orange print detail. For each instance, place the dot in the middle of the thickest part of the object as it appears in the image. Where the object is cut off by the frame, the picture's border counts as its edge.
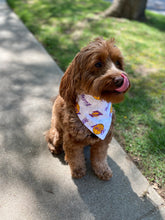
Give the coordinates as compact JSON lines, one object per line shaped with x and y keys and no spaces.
{"x":97,"y":98}
{"x":111,"y":109}
{"x":77,"y":107}
{"x":98,"y":129}
{"x":95,"y":114}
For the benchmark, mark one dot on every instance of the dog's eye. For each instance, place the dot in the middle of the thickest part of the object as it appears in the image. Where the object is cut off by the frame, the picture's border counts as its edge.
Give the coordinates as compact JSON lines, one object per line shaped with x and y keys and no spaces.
{"x":118,"y":63}
{"x":98,"y":65}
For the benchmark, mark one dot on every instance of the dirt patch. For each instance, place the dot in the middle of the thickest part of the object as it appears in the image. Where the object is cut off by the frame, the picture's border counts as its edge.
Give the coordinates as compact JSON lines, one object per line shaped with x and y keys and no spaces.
{"x":145,"y":71}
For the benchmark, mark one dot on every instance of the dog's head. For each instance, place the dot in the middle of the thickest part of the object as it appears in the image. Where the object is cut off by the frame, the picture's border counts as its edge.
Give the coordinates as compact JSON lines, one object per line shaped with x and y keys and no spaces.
{"x":97,"y":70}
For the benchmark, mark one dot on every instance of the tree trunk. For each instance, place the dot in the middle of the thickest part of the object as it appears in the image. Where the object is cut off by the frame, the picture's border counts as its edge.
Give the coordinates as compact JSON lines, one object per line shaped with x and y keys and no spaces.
{"x":131,"y":9}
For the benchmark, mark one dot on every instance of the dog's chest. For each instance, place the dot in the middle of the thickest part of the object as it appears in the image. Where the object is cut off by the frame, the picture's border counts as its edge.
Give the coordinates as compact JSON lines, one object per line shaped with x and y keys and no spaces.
{"x":79,"y":131}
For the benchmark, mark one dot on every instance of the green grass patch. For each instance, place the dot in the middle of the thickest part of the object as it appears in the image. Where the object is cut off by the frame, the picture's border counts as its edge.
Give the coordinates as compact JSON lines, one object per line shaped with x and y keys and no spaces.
{"x":65,"y":26}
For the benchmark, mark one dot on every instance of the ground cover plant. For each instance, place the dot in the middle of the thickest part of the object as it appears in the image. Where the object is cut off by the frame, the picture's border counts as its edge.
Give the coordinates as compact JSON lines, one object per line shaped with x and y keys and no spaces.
{"x":64,"y":26}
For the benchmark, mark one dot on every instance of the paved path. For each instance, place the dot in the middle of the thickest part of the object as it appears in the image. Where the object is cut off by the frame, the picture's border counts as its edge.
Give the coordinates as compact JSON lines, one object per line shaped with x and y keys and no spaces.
{"x":157,"y":6}
{"x":33,"y":184}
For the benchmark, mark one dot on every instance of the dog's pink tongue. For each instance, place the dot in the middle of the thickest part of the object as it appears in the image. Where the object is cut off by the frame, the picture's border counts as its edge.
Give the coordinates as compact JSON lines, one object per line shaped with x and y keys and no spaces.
{"x":124,"y":85}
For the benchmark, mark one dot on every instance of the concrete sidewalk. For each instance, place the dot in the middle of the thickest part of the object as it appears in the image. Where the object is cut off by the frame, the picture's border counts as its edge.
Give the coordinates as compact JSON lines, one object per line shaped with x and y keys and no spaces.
{"x":157,"y":6}
{"x":33,"y":184}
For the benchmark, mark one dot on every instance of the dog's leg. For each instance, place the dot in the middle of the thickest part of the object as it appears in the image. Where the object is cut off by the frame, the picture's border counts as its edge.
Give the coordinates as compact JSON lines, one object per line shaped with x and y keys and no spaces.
{"x":99,"y":161}
{"x":74,"y":155}
{"x":55,"y":140}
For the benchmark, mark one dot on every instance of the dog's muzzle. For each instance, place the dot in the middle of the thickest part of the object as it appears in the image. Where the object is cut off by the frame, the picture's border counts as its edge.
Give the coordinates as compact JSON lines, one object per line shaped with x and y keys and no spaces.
{"x":122,"y":83}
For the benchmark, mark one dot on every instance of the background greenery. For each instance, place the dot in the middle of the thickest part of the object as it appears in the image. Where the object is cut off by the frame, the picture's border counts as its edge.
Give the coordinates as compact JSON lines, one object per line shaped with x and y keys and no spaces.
{"x":64,"y":26}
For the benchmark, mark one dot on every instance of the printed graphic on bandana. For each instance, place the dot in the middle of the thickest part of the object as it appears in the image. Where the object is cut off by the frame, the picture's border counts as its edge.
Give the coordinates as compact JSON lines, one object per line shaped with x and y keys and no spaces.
{"x":77,"y":108}
{"x":107,"y":107}
{"x":85,"y":100}
{"x":111,"y":109}
{"x":85,"y":120}
{"x":98,"y":129}
{"x":95,"y":114}
{"x":98,"y":98}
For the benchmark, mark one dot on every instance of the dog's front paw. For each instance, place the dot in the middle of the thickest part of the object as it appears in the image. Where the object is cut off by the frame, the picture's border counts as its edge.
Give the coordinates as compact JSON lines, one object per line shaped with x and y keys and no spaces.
{"x":102,"y":171}
{"x":78,"y":172}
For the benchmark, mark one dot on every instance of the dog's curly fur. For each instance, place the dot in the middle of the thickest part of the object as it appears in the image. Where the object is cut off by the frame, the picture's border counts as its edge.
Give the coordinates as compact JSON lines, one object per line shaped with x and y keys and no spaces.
{"x":95,"y":70}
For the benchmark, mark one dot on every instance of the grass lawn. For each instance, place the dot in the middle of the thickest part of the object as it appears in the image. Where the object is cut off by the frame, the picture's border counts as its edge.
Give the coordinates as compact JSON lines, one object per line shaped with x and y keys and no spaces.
{"x":64,"y":26}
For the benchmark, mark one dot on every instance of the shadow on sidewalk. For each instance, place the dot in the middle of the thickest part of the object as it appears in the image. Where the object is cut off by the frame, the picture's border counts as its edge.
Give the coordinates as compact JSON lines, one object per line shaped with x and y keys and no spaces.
{"x":32,"y":177}
{"x":114,"y":199}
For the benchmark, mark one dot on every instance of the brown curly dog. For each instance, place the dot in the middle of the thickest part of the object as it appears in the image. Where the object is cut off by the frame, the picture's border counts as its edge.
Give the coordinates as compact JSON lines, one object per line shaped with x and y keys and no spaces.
{"x":95,"y":77}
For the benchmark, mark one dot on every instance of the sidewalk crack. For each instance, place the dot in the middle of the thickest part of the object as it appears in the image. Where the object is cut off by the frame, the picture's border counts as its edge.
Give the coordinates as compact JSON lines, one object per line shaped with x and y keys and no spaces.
{"x":155,"y":209}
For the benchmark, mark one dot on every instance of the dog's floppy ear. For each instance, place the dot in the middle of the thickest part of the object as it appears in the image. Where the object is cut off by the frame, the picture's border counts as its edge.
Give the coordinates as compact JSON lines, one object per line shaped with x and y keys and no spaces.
{"x":67,"y":86}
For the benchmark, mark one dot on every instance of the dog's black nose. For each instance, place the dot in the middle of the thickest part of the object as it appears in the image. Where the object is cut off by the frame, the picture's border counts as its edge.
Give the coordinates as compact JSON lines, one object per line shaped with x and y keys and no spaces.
{"x":118,"y":81}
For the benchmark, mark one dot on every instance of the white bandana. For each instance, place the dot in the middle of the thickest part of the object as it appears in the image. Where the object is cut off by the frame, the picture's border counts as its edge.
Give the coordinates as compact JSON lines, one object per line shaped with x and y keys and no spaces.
{"x":95,"y":114}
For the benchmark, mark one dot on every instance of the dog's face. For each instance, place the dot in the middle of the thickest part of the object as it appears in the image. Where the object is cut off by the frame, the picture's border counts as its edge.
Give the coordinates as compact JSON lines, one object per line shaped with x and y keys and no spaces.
{"x":97,"y":70}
